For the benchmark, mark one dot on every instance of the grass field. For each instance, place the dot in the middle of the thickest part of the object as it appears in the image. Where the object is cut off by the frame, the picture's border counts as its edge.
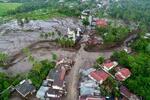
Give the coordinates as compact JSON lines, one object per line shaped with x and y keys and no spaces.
{"x":4,"y":7}
{"x":41,"y":14}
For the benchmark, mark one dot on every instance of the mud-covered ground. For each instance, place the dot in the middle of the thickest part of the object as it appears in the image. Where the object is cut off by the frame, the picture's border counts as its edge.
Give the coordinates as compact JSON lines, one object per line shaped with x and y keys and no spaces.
{"x":14,"y":37}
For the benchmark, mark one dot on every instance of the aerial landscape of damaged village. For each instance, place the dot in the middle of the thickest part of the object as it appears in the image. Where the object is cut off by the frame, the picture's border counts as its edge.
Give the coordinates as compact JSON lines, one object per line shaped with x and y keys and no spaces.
{"x":74,"y":49}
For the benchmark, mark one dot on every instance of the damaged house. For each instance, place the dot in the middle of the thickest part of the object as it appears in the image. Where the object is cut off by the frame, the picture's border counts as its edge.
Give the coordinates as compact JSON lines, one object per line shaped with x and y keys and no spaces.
{"x":54,"y":86}
{"x":25,"y":88}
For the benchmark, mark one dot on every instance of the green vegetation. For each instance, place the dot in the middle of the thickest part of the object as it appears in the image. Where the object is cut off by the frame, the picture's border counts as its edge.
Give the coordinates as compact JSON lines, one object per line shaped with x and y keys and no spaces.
{"x":40,"y":71}
{"x":100,"y":60}
{"x":3,"y":59}
{"x":65,"y":42}
{"x":131,"y":10}
{"x":85,"y":22}
{"x":6,"y":7}
{"x":113,"y":34}
{"x":139,"y":66}
{"x":110,"y":88}
{"x":142,"y":45}
{"x":5,"y":82}
{"x":42,"y":14}
{"x":54,"y":57}
{"x":42,"y":9}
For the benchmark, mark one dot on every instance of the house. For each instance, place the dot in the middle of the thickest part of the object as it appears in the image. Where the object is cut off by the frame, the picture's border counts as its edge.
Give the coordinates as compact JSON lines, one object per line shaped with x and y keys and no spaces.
{"x":53,"y":88}
{"x":54,"y":94}
{"x":87,"y":71}
{"x":25,"y":88}
{"x":90,"y":98}
{"x":108,"y":65}
{"x":89,"y":87}
{"x":74,"y":35}
{"x":59,"y":82}
{"x":99,"y":76}
{"x":147,"y":35}
{"x":93,"y":23}
{"x":127,"y":94}
{"x":71,"y":34}
{"x":101,"y":23}
{"x":52,"y":75}
{"x":98,"y":22}
{"x":89,"y":83}
{"x":85,"y":14}
{"x":123,"y":74}
{"x":41,"y":92}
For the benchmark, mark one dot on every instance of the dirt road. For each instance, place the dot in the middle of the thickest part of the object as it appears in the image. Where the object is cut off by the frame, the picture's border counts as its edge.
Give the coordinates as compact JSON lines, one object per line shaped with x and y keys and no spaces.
{"x":82,"y":59}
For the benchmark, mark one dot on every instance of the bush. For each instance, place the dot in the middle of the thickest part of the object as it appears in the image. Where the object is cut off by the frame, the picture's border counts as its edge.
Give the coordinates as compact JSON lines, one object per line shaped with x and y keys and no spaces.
{"x":100,"y":60}
{"x":85,"y":22}
{"x":40,"y":71}
{"x":3,"y":59}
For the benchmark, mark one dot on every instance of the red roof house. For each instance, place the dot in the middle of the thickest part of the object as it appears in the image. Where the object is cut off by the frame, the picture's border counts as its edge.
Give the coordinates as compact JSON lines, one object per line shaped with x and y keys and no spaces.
{"x":109,"y":65}
{"x":123,"y":74}
{"x":101,"y":23}
{"x":98,"y":76}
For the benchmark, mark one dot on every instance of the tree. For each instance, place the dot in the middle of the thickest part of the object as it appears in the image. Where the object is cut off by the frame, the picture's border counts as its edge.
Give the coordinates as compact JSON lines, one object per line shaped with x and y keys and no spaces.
{"x":65,"y":42}
{"x":100,"y":60}
{"x":39,"y":71}
{"x":121,"y":57}
{"x":85,"y":22}
{"x":140,"y":45}
{"x":148,"y":49}
{"x":140,"y":68}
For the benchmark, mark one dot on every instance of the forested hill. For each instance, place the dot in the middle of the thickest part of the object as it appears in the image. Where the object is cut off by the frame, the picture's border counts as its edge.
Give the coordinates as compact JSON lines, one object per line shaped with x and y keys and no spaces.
{"x":133,"y":10}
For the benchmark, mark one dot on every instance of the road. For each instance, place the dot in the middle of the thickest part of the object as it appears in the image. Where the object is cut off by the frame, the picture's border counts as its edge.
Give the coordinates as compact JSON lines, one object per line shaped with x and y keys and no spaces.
{"x":82,"y":59}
